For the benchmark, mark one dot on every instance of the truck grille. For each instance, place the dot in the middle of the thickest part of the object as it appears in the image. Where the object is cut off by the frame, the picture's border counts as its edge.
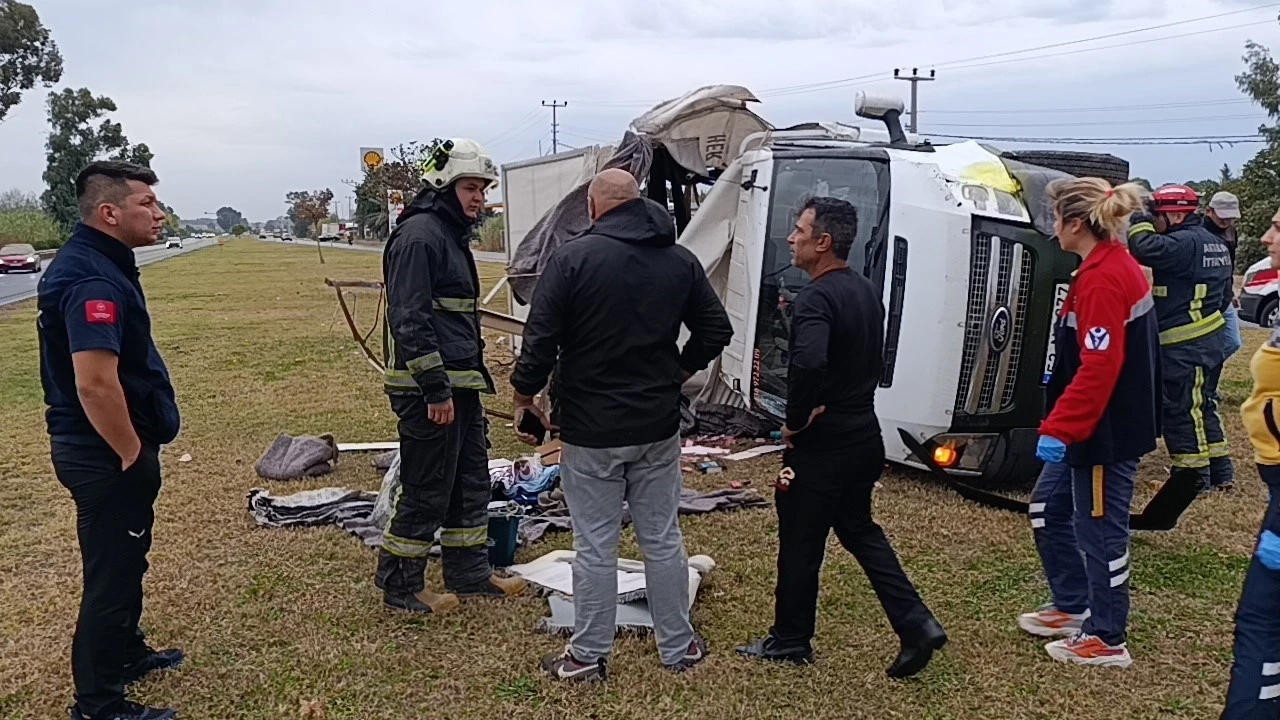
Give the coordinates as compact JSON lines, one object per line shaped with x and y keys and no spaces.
{"x":999,"y":288}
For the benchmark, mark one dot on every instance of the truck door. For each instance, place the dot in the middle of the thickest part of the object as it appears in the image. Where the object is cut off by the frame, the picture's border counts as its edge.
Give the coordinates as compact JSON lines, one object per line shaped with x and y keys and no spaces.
{"x":864,"y":182}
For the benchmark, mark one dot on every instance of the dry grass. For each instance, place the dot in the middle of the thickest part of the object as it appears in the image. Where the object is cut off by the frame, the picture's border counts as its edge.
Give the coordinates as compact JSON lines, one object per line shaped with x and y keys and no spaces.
{"x":286,"y":624}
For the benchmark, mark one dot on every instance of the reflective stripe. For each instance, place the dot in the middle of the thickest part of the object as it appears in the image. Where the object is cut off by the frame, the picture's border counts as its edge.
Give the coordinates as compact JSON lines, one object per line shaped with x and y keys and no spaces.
{"x":467,"y":379}
{"x":1072,"y":321}
{"x":399,"y":379}
{"x":454,"y":304}
{"x":1118,"y":580}
{"x":1193,"y":331}
{"x":1142,"y":307}
{"x":1099,"y":503}
{"x":1141,"y":228}
{"x":430,"y":361}
{"x":1160,"y":290}
{"x":1269,"y":669}
{"x":464,"y":537}
{"x":1037,"y":523}
{"x":1117,"y":564}
{"x":405,"y":547}
{"x":1219,"y":450}
{"x":1197,"y":302}
{"x":1037,"y":507}
{"x":1196,"y":460}
{"x":1269,"y":692}
{"x":1197,"y":413}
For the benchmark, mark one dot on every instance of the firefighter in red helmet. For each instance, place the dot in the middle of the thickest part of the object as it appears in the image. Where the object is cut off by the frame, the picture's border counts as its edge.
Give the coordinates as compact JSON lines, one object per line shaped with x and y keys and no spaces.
{"x":1191,"y":281}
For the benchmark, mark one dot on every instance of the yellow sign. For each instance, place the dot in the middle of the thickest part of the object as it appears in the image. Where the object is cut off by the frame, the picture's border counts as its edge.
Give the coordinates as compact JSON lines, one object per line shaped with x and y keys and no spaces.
{"x":371,"y":158}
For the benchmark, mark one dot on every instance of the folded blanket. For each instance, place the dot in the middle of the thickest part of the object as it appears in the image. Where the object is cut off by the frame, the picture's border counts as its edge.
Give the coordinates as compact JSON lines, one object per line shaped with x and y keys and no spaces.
{"x":291,"y":458}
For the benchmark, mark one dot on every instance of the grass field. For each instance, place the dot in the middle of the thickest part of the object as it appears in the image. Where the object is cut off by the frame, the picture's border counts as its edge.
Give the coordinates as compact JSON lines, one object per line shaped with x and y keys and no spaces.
{"x":273,"y":620}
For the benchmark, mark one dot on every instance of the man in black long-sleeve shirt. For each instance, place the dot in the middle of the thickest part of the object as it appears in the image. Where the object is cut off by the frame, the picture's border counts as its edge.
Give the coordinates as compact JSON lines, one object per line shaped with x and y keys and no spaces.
{"x":835,"y":453}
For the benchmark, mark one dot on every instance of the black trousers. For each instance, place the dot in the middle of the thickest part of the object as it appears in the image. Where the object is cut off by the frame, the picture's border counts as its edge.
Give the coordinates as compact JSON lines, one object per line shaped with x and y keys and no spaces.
{"x":444,"y":485}
{"x":827,"y":490}
{"x":115,"y":511}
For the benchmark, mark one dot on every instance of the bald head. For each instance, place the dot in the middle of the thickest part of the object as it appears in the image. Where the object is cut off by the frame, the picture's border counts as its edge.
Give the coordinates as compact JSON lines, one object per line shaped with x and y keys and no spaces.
{"x":610,"y":189}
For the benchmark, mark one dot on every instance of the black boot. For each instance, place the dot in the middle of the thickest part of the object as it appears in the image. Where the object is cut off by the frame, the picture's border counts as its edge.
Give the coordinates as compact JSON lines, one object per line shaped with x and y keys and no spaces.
{"x":1166,"y":508}
{"x":915,"y":656}
{"x":400,"y":575}
{"x":772,"y":649}
{"x":150,"y":662}
{"x":125,"y":710}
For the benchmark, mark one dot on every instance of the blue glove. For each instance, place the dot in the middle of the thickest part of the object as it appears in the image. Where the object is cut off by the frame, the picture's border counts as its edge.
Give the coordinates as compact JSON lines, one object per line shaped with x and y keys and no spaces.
{"x":1269,"y":550}
{"x":1051,"y":449}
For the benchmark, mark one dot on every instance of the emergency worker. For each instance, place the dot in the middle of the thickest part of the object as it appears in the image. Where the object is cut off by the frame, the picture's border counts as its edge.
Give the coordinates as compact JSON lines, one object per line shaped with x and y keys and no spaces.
{"x":1255,"y":677}
{"x":435,"y":376}
{"x":1104,"y":415}
{"x":1191,"y":270}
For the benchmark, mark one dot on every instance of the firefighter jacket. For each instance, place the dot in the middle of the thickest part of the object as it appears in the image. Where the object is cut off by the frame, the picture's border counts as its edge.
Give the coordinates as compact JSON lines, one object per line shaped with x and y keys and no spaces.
{"x":1104,"y":396}
{"x":432,"y":341}
{"x":1261,"y":412}
{"x":1191,"y":277}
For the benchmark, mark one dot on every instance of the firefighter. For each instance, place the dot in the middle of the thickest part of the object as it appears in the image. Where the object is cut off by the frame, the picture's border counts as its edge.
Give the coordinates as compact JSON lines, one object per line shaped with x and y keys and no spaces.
{"x":1191,"y":271}
{"x":435,"y":376}
{"x":1255,"y":676}
{"x":1104,"y":400}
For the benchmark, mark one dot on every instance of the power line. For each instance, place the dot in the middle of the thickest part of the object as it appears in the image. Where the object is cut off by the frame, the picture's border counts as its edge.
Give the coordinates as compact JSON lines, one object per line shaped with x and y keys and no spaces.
{"x":519,"y":123}
{"x":1189,"y":140}
{"x":555,"y":126}
{"x":1113,"y":108}
{"x":518,"y":132}
{"x":1145,"y":121}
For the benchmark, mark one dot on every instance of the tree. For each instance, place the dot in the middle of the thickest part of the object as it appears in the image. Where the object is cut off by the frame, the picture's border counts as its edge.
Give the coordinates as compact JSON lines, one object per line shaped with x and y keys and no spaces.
{"x":307,"y":208}
{"x":239,"y":230}
{"x":16,"y":199}
{"x":272,"y":226}
{"x":79,"y":135}
{"x":403,"y":172}
{"x":1143,"y":182}
{"x":229,"y":217}
{"x":27,"y":54}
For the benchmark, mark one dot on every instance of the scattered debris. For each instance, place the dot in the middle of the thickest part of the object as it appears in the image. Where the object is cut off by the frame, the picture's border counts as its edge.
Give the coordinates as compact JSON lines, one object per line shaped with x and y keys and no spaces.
{"x":291,"y":458}
{"x":755,"y":452}
{"x":700,"y":450}
{"x":369,"y":447}
{"x":709,"y":467}
{"x":186,"y":458}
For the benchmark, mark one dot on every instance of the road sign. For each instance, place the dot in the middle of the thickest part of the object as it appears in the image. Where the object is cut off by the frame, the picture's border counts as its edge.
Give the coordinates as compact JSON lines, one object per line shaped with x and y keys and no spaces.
{"x":371,"y":158}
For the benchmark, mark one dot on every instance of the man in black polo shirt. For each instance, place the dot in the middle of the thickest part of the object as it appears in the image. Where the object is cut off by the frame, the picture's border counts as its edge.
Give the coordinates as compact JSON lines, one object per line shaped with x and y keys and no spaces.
{"x":111,"y":407}
{"x":835,"y":453}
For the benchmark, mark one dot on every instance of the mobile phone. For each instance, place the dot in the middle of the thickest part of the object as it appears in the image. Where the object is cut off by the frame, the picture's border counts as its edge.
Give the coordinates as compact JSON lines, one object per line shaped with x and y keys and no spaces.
{"x":531,"y":425}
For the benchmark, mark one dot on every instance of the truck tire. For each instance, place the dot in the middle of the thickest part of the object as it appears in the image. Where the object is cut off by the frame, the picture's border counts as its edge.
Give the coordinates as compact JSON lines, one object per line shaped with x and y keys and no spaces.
{"x":1081,"y":164}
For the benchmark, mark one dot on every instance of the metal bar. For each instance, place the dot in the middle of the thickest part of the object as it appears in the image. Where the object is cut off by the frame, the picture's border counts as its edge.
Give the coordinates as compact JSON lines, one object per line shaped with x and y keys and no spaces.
{"x":371,"y":285}
{"x":1011,"y":298}
{"x":973,"y":405}
{"x":500,"y":322}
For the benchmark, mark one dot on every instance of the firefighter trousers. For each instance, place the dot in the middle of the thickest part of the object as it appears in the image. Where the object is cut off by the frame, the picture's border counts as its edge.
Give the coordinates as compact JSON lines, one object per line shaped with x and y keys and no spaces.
{"x":1191,"y":424}
{"x":444,"y":485}
{"x":1255,"y":677}
{"x":1080,"y":519}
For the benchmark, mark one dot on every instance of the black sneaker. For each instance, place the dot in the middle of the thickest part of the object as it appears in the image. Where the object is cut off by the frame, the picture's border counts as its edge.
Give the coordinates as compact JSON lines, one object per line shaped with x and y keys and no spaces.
{"x":696,"y":653}
{"x":771,"y":649}
{"x":125,"y":710}
{"x":563,"y":666}
{"x":152,"y":661}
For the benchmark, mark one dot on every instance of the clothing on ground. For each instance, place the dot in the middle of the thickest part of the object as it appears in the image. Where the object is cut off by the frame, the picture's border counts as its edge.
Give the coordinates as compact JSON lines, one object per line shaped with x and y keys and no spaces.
{"x":90,"y":298}
{"x":114,"y":519}
{"x":831,"y":490}
{"x":1080,"y":520}
{"x":444,"y":485}
{"x":606,"y":318}
{"x":837,"y":338}
{"x":291,"y":458}
{"x":596,"y":483}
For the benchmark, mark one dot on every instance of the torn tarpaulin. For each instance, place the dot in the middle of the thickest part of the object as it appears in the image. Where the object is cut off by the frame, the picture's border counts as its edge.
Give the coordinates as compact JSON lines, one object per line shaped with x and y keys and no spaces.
{"x":292,"y":458}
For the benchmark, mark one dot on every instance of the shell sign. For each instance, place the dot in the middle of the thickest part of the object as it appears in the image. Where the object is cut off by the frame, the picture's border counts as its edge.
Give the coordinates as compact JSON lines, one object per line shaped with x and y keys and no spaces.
{"x":371,"y":158}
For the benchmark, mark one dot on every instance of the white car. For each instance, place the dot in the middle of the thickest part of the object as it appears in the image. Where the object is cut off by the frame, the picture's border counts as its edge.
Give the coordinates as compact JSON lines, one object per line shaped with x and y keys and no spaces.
{"x":1260,"y":297}
{"x":172,"y":242}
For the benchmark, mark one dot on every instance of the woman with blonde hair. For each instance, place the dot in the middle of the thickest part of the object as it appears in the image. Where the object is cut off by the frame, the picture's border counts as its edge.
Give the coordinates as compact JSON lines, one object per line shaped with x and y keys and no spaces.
{"x":1104,"y":410}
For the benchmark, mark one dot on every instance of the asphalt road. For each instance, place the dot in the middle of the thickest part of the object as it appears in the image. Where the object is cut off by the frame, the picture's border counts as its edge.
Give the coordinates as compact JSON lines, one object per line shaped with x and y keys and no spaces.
{"x":18,"y":287}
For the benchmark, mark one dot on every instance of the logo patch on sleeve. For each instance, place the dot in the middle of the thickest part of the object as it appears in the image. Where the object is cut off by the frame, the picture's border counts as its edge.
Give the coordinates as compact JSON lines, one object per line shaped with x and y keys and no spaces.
{"x":1097,"y":338}
{"x":100,"y":311}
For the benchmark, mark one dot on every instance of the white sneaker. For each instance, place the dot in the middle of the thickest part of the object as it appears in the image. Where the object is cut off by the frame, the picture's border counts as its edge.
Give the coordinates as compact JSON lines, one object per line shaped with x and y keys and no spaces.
{"x":1049,"y":621}
{"x":1083,"y":649}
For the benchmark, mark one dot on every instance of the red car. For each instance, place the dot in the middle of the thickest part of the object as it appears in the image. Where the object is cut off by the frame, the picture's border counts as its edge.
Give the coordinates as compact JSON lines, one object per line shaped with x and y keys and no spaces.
{"x":19,"y":258}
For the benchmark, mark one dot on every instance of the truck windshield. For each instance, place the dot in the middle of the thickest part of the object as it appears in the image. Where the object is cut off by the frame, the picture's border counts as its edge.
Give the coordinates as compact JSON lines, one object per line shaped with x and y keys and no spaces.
{"x":862,"y":182}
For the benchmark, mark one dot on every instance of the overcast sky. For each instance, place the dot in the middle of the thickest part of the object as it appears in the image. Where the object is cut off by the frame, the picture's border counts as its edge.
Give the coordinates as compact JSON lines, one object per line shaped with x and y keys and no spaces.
{"x":244,"y":100}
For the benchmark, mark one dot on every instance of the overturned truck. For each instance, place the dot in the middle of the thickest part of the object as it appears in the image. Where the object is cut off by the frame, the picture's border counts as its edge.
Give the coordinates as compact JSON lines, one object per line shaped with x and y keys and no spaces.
{"x":957,"y":238}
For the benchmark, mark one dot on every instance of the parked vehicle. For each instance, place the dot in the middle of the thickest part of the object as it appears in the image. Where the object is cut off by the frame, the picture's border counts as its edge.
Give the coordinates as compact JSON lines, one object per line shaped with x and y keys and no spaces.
{"x":1260,"y":296}
{"x":19,"y":257}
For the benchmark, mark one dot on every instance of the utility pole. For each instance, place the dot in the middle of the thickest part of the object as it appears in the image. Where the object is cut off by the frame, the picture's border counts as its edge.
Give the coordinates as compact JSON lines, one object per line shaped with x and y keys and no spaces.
{"x":915,"y":79}
{"x":555,"y":126}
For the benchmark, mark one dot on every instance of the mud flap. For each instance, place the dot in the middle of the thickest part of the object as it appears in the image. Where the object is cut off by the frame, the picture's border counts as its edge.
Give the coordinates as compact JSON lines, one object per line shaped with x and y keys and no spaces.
{"x":1161,"y":513}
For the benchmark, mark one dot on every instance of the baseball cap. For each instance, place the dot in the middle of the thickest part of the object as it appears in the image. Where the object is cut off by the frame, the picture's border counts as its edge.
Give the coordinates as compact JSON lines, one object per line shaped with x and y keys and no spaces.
{"x":1226,"y":205}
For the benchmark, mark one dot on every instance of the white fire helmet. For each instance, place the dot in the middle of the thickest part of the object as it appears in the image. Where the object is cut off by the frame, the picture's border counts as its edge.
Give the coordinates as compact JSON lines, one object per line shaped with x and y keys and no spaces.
{"x":462,"y":158}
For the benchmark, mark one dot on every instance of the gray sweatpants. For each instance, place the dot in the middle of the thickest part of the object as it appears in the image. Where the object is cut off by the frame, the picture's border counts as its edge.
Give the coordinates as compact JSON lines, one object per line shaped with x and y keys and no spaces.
{"x":595,"y":483}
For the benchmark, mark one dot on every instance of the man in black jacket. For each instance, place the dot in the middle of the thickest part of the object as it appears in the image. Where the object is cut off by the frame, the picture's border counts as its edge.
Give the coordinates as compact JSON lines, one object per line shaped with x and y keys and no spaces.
{"x":435,"y":375}
{"x":606,"y":316}
{"x":835,"y":453}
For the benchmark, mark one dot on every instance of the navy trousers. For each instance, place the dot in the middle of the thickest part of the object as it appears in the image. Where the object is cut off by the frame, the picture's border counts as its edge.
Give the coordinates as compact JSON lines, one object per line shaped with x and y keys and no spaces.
{"x":1255,"y":676}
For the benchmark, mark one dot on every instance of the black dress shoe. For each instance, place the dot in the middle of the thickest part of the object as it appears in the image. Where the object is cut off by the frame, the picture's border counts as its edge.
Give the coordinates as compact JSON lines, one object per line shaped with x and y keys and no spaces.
{"x":771,"y":649}
{"x":916,"y":656}
{"x":152,"y":661}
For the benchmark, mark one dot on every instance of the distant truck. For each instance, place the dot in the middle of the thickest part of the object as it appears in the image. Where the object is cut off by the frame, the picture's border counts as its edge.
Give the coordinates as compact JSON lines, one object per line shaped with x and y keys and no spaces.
{"x":330,"y":231}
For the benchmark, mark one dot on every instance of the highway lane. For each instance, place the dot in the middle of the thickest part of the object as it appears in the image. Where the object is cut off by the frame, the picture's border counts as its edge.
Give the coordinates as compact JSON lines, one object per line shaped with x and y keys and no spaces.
{"x":18,"y":287}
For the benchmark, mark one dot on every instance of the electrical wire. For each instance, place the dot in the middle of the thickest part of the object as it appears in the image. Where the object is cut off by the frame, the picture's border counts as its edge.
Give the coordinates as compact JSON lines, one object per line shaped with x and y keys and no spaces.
{"x":1113,"y":108}
{"x":1190,"y":140}
{"x":519,"y":123}
{"x":1144,"y":121}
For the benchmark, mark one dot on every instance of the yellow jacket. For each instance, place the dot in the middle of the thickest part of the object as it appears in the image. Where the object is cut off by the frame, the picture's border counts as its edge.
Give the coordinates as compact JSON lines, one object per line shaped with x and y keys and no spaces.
{"x":1261,"y":412}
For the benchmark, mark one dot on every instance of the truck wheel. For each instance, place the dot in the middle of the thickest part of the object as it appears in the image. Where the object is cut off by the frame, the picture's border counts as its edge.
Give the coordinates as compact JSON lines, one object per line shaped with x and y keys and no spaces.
{"x":1267,"y":313}
{"x":1081,"y":164}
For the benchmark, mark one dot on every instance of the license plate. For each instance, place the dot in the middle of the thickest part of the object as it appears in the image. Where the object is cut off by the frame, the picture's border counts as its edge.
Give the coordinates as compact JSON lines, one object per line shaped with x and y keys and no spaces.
{"x":1051,"y":354}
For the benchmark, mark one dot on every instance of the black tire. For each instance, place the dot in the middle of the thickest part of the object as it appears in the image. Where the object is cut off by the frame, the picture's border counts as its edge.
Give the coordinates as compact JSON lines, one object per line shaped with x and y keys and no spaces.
{"x":1113,"y":169}
{"x":1266,"y":313}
